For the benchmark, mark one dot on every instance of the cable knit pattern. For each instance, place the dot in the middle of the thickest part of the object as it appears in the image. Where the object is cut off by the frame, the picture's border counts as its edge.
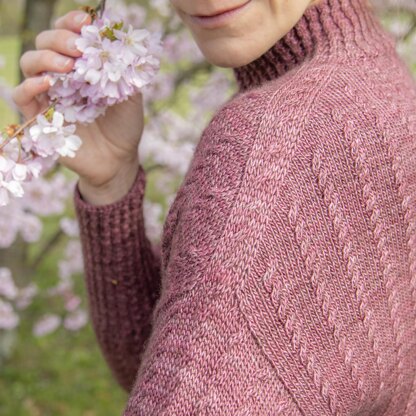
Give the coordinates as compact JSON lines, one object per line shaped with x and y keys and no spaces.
{"x":285,"y":282}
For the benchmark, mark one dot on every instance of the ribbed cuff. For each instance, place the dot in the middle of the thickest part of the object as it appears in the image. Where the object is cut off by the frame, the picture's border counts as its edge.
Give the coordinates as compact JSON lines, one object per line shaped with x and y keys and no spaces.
{"x":114,"y":248}
{"x":134,"y":197}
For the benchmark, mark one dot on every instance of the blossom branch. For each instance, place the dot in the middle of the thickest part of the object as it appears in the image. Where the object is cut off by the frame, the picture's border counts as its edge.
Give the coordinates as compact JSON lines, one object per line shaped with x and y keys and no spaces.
{"x":116,"y":62}
{"x":49,"y":245}
{"x":411,"y":30}
{"x":17,"y":133}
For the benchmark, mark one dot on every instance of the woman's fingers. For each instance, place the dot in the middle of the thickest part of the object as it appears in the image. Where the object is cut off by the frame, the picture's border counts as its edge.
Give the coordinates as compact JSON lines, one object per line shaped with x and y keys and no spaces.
{"x":35,"y":62}
{"x":24,"y":95}
{"x":55,"y":47}
{"x":73,"y":21}
{"x":62,"y":41}
{"x":55,"y":52}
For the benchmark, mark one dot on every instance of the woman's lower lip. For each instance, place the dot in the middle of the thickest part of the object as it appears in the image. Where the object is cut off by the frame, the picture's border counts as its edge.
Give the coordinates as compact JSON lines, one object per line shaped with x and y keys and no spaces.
{"x":212,"y":22}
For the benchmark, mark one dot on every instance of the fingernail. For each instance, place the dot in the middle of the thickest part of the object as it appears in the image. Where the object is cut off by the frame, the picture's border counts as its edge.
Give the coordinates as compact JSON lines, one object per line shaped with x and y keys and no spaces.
{"x":62,"y":62}
{"x":81,"y":18}
{"x":43,"y":79}
{"x":71,"y":43}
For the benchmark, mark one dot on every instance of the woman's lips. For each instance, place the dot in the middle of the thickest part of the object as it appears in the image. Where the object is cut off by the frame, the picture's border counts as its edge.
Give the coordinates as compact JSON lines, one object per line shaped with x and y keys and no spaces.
{"x":212,"y":22}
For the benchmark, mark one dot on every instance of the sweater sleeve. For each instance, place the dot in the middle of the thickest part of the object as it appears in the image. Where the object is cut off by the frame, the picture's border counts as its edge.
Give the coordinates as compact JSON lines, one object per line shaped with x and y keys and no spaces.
{"x":122,"y":272}
{"x":201,"y":357}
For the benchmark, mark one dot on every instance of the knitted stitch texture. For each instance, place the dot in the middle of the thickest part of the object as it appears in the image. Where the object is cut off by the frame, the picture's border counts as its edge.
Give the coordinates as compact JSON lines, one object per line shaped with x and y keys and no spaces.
{"x":286,"y":279}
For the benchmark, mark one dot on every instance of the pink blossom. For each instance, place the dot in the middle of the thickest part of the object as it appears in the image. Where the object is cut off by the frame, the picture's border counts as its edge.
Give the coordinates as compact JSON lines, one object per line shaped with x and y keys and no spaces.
{"x":45,"y":325}
{"x":111,"y":69}
{"x":152,"y":218}
{"x":47,"y":197}
{"x":8,"y":188}
{"x":8,"y":184}
{"x":7,"y":285}
{"x":31,"y":228}
{"x":61,"y":288}
{"x":179,"y":46}
{"x":16,"y":217}
{"x":162,"y":88}
{"x":5,"y":89}
{"x":52,"y":137}
{"x":72,"y":302}
{"x":9,"y":223}
{"x":25,"y":296}
{"x":69,"y":226}
{"x":8,"y":318}
{"x":132,"y":14}
{"x":76,"y":320}
{"x":72,"y":262}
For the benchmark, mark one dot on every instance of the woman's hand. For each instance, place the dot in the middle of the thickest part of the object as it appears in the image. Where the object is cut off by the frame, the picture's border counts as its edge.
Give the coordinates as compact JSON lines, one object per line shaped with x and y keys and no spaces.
{"x":108,"y":156}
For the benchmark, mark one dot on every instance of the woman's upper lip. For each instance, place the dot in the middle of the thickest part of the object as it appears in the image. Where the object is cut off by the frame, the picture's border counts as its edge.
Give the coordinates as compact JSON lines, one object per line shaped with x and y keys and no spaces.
{"x":220,"y":12}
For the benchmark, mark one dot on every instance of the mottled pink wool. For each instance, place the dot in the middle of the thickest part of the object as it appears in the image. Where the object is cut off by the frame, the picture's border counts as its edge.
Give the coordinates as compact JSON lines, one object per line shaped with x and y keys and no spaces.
{"x":286,"y":279}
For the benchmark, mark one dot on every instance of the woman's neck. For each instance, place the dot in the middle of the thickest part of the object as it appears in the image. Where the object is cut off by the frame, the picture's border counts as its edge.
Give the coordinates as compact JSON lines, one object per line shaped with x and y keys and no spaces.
{"x":327,"y":29}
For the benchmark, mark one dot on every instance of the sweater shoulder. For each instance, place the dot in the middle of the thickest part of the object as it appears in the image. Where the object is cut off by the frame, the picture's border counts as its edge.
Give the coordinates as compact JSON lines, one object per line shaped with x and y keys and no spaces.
{"x":273,"y":104}
{"x":375,"y":92}
{"x":238,"y":163}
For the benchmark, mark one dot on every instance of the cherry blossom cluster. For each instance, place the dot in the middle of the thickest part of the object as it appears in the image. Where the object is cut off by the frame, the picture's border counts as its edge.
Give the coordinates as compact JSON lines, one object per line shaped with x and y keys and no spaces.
{"x":117,"y":61}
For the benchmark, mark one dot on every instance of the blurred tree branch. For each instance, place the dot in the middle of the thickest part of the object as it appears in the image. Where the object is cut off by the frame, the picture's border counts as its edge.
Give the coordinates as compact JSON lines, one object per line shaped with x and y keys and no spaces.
{"x":47,"y":248}
{"x":396,"y":5}
{"x":36,"y":18}
{"x":411,"y":30}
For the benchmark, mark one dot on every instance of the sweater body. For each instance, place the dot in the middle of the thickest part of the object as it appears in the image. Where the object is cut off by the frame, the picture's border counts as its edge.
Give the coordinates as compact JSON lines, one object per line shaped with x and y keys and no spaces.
{"x":285,"y":280}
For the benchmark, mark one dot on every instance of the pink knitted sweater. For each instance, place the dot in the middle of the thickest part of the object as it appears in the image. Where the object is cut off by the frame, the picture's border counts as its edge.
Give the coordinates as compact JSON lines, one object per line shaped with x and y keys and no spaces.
{"x":286,"y":279}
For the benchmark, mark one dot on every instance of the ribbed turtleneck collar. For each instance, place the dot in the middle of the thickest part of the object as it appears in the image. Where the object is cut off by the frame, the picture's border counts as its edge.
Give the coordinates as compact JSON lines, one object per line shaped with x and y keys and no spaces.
{"x":326,"y":29}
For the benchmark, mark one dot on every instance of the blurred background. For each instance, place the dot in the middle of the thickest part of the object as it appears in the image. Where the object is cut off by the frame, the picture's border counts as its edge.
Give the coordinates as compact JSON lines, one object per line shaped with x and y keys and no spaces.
{"x":50,"y":363}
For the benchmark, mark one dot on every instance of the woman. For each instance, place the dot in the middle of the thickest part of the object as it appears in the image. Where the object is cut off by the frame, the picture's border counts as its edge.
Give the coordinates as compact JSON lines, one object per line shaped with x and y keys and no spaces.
{"x":286,"y":280}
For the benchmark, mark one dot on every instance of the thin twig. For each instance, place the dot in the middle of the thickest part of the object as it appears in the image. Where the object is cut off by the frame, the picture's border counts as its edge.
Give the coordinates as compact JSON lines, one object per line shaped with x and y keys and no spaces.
{"x":23,"y":126}
{"x":100,"y":8}
{"x":49,"y":245}
{"x":411,"y":30}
